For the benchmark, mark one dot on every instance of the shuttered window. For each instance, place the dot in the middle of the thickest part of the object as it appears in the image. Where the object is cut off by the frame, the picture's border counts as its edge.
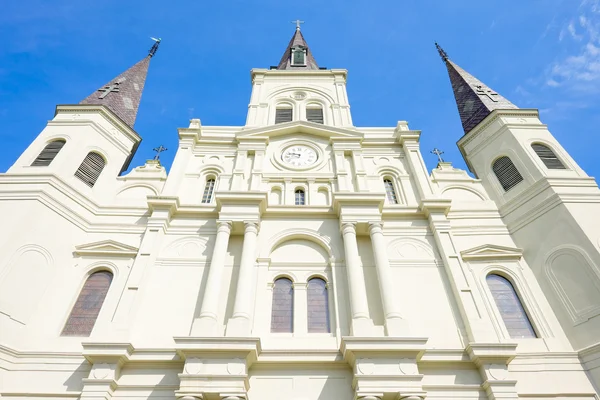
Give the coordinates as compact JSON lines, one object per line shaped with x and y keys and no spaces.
{"x":318,"y":306}
{"x":508,"y":175}
{"x":47,"y":155}
{"x":298,"y":57}
{"x":390,"y":193}
{"x":209,"y":188}
{"x":547,"y":156}
{"x":87,"y":307}
{"x":282,"y":314}
{"x":90,"y":168}
{"x":299,"y":197}
{"x":283,"y":115}
{"x":314,"y":115}
{"x":513,"y":314}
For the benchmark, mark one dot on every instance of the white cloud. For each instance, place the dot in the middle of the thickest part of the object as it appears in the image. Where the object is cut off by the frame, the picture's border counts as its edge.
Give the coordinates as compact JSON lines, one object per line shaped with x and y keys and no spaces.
{"x":579,"y":71}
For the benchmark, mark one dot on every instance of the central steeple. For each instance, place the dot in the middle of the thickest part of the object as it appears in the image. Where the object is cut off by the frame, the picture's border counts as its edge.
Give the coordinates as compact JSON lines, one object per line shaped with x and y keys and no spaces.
{"x":297,"y":55}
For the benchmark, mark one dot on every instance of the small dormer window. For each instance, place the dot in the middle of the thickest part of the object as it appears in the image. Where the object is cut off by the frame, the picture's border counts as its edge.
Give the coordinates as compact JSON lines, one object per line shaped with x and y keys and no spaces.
{"x":298,"y":57}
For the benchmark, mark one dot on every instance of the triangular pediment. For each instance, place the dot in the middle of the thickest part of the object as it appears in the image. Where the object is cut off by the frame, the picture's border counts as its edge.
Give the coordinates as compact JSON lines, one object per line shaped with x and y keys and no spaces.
{"x":106,"y":248}
{"x":490,"y":252}
{"x":300,"y":127}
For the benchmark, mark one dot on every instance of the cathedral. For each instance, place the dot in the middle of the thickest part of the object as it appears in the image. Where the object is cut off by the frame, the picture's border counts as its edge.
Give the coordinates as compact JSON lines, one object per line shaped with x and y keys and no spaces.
{"x":298,"y":256}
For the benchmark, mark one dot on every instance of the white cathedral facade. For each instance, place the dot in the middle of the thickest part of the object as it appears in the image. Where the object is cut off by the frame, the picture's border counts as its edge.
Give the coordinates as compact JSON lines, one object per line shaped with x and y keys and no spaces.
{"x":299,"y":256}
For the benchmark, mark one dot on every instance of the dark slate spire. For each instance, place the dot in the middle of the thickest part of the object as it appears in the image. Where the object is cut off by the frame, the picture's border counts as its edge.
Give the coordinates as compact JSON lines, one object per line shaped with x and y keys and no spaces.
{"x":474,"y":99}
{"x":297,"y":44}
{"x":122,"y":95}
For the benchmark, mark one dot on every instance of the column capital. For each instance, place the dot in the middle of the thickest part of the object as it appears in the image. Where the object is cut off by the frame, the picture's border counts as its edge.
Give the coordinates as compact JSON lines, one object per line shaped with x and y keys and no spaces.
{"x":349,"y":227}
{"x":224,"y":226}
{"x":251,"y":226}
{"x":375,"y":227}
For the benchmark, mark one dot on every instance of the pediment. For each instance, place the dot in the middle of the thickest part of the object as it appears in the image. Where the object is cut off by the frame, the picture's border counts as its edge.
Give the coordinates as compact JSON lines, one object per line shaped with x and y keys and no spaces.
{"x":300,"y":127}
{"x":106,"y":248}
{"x":491,"y":252}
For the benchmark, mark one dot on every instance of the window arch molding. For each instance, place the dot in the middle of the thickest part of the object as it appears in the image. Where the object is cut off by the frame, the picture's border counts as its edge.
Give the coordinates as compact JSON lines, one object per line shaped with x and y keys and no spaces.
{"x":524,"y":294}
{"x":550,"y":146}
{"x":389,"y":173}
{"x":589,"y":268}
{"x":298,"y":233}
{"x":477,"y":193}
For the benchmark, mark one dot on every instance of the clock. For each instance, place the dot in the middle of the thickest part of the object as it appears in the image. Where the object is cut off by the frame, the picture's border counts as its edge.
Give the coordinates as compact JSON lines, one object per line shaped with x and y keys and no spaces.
{"x":299,"y":156}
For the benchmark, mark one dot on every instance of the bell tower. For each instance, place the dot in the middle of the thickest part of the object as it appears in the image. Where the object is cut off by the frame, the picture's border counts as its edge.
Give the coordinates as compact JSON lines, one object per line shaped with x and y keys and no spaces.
{"x":550,"y":206}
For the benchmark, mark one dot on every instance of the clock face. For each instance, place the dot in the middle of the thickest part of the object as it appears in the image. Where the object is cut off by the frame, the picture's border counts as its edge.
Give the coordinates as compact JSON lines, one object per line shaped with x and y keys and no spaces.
{"x":299,"y":156}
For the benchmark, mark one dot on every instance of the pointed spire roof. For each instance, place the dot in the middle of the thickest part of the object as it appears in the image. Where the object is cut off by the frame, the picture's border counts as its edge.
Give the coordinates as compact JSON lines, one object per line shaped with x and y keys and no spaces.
{"x":122,"y":94}
{"x":474,"y":99}
{"x":297,"y":42}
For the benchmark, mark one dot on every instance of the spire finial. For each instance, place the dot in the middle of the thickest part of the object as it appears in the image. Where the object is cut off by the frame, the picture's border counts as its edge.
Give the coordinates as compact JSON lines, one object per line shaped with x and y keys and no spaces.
{"x":154,"y":47}
{"x":297,"y":22}
{"x":443,"y":54}
{"x":438,"y":153}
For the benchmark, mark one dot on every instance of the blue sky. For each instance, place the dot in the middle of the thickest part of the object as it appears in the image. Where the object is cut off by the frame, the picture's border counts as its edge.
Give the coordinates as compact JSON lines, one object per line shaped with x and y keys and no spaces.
{"x":542,"y":54}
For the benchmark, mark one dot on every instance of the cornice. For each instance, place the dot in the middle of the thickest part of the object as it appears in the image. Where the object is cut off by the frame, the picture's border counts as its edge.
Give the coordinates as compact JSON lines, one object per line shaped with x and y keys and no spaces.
{"x":104,"y":111}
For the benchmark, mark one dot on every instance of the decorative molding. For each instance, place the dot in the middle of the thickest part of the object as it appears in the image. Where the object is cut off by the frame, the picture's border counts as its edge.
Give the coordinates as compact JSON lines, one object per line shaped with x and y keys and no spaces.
{"x":492,"y":252}
{"x":106,"y":248}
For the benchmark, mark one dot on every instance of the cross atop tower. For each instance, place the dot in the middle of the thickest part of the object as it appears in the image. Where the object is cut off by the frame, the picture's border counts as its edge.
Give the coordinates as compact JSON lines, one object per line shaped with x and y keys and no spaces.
{"x":297,"y":22}
{"x":438,"y":153}
{"x":159,"y":150}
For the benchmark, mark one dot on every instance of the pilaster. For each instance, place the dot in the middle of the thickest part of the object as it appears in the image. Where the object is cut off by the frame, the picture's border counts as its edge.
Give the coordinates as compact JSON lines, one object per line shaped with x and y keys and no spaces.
{"x":385,"y":366}
{"x":492,"y":359}
{"x":409,"y":140}
{"x":215,"y":367}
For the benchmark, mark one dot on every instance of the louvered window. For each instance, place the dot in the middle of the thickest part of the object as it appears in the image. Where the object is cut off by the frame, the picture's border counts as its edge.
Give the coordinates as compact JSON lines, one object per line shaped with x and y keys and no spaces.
{"x":513,"y":314}
{"x":87,"y":307}
{"x":90,"y":168}
{"x":298,"y":57}
{"x":314,"y":115}
{"x":209,"y":188}
{"x":47,"y":155}
{"x":282,"y":314}
{"x":389,"y":191}
{"x":283,"y":115}
{"x":318,"y":306}
{"x":299,"y":197}
{"x":547,"y":156}
{"x":508,"y":175}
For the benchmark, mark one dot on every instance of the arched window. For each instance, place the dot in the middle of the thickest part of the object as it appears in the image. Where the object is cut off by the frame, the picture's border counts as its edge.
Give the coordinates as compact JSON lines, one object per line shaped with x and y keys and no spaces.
{"x":47,"y":155}
{"x":209,"y":188}
{"x":547,"y":156}
{"x":390,"y":192}
{"x":90,"y":168}
{"x":87,"y":307}
{"x":508,"y":175}
{"x":314,"y":113}
{"x":283,"y":114}
{"x":513,"y":314}
{"x":282,"y":314}
{"x":299,"y":197}
{"x":318,"y":306}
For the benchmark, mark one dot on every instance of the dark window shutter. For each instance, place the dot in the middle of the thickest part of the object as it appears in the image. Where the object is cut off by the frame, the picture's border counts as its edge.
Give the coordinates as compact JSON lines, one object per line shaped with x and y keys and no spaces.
{"x":90,"y":169}
{"x":87,"y":307}
{"x":47,"y":155}
{"x":547,"y":156}
{"x":314,"y":115}
{"x":513,"y":314}
{"x":283,"y":115}
{"x":508,"y":175}
{"x":282,"y":313}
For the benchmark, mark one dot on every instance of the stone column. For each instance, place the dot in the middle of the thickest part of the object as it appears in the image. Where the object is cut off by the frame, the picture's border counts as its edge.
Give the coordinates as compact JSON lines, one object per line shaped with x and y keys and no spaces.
{"x":206,"y":323}
{"x":240,"y":323}
{"x":362,"y":325}
{"x":394,"y":324}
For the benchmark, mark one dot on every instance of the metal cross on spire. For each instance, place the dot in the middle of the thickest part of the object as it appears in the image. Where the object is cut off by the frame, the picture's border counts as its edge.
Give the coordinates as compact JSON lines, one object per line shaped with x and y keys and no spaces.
{"x":154,"y":47}
{"x":297,"y":22}
{"x":442,"y":52}
{"x":438,"y":153}
{"x":159,"y":150}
